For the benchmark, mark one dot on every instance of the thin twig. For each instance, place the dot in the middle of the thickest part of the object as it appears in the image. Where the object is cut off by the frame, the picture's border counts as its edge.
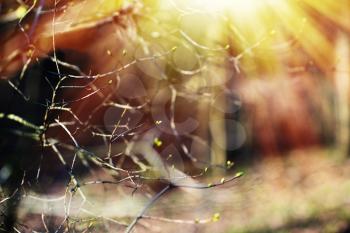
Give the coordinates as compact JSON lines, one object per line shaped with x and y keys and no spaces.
{"x":144,"y":210}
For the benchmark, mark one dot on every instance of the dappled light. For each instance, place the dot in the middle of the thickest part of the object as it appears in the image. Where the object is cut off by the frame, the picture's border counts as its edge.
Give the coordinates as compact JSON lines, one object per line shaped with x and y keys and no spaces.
{"x":174,"y":115}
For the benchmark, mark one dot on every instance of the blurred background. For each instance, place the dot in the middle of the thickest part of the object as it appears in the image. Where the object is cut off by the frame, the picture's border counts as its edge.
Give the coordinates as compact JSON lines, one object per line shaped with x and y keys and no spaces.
{"x":103,"y":103}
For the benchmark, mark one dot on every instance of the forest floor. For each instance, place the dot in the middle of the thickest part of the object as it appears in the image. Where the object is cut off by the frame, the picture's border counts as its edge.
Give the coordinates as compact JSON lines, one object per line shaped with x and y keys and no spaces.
{"x":304,"y":191}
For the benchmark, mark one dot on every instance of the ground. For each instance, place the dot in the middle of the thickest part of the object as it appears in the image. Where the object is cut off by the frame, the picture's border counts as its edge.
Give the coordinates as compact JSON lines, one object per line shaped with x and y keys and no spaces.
{"x":302,"y":191}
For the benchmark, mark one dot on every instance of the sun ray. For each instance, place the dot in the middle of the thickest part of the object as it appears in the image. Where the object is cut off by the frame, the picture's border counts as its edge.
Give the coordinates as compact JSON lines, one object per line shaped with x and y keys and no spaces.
{"x":251,"y":21}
